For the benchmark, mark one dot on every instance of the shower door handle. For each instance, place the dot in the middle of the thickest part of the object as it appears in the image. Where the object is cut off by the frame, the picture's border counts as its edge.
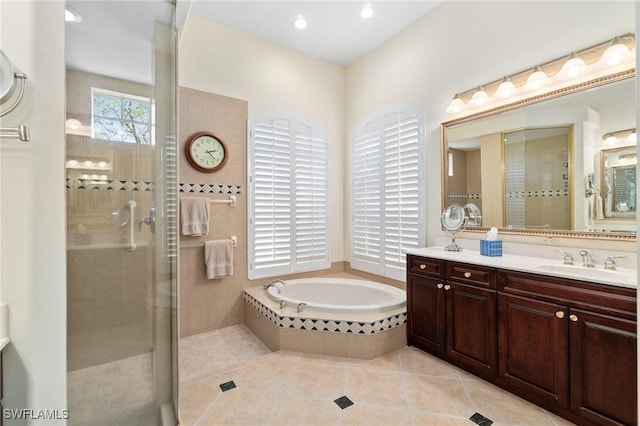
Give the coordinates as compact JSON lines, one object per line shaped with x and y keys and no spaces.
{"x":149,"y":220}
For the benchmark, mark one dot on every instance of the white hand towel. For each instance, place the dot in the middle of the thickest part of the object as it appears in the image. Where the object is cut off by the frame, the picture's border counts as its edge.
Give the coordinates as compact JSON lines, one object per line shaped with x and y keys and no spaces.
{"x":218,"y":258}
{"x":194,"y":215}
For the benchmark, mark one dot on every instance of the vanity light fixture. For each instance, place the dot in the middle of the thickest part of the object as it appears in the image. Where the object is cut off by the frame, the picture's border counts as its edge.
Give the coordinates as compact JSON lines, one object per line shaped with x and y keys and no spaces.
{"x":479,"y":97}
{"x":300,"y":23}
{"x":558,"y":73}
{"x":574,"y":67}
{"x":367,"y":11}
{"x":456,"y":105}
{"x":537,"y":79}
{"x":627,"y":135}
{"x":506,"y":88}
{"x":615,"y":53}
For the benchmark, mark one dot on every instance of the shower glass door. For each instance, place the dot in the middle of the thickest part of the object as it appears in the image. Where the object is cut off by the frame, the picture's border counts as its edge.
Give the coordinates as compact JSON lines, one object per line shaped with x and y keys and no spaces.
{"x":121,"y":194}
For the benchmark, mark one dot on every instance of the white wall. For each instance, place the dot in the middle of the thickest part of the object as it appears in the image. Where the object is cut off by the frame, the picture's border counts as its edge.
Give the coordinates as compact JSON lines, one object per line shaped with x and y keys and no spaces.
{"x":463,"y":44}
{"x":32,"y":266}
{"x":219,"y":60}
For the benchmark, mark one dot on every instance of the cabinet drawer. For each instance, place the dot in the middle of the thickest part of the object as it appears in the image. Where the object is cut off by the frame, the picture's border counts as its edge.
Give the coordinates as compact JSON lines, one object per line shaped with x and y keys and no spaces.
{"x":471,"y":274}
{"x":425,"y":266}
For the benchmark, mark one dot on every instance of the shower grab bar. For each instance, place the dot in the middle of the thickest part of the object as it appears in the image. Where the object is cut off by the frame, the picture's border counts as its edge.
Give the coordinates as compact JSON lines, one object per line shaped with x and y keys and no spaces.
{"x":21,"y":132}
{"x":131,"y":245}
{"x":233,"y":238}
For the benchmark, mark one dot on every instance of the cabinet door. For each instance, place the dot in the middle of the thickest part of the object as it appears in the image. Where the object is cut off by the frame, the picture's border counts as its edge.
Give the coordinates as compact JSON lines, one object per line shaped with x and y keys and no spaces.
{"x":532,"y":349}
{"x":603,"y":368}
{"x":425,"y":307}
{"x":471,"y":328}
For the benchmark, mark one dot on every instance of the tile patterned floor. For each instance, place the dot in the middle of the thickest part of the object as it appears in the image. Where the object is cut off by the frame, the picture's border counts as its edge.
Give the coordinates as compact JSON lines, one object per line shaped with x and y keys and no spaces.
{"x":116,"y":393}
{"x":406,"y":387}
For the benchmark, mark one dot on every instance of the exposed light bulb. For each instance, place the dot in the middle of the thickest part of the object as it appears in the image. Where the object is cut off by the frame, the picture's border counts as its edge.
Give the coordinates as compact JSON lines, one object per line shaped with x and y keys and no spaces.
{"x":71,"y":15}
{"x":505,"y":89}
{"x":536,"y":80}
{"x":455,"y":106}
{"x":611,"y":140}
{"x":479,"y":97}
{"x":366,"y":12}
{"x":574,"y":67}
{"x":633,"y":138}
{"x":616,"y":53}
{"x":300,"y":22}
{"x":73,"y":124}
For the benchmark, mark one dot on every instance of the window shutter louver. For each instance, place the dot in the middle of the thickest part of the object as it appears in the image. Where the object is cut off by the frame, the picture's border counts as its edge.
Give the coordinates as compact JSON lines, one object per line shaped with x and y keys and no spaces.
{"x":387,"y":191}
{"x":288,"y":214}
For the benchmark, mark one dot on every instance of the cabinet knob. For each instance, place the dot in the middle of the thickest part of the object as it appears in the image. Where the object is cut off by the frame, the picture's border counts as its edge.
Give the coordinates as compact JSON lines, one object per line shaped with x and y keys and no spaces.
{"x":467,"y":274}
{"x":440,"y":285}
{"x":447,"y":287}
{"x":560,"y":314}
{"x":573,"y":318}
{"x":423,"y":266}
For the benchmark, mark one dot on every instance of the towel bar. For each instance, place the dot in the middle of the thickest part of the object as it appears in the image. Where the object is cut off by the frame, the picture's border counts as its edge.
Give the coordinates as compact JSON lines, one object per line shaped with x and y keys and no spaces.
{"x":231,"y":201}
{"x":233,"y":238}
{"x":20,"y":132}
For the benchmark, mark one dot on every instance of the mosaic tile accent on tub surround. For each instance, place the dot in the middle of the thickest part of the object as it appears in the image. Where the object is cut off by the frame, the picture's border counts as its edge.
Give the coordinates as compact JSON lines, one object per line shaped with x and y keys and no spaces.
{"x":334,"y":326}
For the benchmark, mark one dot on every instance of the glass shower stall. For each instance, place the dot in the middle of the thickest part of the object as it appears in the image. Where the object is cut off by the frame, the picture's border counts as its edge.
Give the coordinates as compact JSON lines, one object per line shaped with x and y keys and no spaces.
{"x":121,"y":212}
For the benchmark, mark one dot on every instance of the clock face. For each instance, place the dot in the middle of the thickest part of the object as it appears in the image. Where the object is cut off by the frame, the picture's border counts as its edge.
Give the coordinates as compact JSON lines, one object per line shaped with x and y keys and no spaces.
{"x":206,"y":152}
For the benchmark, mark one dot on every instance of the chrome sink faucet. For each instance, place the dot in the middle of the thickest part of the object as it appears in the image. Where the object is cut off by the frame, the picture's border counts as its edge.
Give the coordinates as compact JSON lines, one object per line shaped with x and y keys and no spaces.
{"x":567,"y":259}
{"x":587,"y":259}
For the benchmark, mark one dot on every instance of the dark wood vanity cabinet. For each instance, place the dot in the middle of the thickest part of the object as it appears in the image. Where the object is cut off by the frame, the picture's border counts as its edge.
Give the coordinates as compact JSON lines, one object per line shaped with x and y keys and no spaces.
{"x":452,"y":310}
{"x":569,"y":344}
{"x":566,"y":345}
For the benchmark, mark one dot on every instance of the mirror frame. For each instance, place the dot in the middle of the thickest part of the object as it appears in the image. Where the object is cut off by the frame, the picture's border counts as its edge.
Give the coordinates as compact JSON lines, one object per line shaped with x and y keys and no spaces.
{"x":594,"y":235}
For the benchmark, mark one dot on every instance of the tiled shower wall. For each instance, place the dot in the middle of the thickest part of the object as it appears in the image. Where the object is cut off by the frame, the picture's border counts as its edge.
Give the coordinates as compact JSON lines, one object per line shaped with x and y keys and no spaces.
{"x":211,"y":304}
{"x":108,"y":287}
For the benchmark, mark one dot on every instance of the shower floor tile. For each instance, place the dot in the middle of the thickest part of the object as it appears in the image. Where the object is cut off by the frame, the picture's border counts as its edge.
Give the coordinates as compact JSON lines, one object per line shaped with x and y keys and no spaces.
{"x":115,"y":393}
{"x":407,"y":387}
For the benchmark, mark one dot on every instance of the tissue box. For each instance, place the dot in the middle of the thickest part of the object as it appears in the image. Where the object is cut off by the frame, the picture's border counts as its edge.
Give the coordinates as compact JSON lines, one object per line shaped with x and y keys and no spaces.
{"x":491,"y":248}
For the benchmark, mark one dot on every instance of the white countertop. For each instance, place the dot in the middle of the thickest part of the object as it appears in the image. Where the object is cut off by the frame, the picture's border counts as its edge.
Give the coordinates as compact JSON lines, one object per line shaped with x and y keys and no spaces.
{"x":622,"y":277}
{"x":4,"y":341}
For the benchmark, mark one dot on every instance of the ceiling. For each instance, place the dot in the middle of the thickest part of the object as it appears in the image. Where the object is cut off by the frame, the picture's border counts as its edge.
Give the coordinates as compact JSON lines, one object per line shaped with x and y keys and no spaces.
{"x":335,"y":33}
{"x":114,"y":38}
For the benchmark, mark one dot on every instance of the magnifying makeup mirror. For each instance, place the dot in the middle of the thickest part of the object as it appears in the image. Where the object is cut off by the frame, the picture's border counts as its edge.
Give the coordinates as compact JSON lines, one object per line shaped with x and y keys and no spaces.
{"x":7,"y":82}
{"x":454,"y":220}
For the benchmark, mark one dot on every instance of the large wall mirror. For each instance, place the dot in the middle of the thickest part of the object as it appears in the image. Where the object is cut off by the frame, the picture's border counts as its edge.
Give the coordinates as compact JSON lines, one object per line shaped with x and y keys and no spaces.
{"x":547,"y":165}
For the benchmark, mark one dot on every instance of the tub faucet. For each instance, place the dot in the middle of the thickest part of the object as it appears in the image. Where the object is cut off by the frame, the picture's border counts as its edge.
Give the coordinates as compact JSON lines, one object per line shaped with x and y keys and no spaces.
{"x":301,"y":306}
{"x":587,"y":259}
{"x":266,"y":286}
{"x":283,"y":304}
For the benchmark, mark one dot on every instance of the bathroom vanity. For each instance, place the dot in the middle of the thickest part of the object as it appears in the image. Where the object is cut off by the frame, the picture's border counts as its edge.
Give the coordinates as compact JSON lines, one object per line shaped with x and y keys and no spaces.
{"x":563,"y":343}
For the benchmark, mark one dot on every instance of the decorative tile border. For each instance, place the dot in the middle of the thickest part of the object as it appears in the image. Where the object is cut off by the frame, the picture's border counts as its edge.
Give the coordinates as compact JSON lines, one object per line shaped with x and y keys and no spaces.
{"x":539,"y":193}
{"x":110,"y":185}
{"x":334,"y":326}
{"x":136,"y":185}
{"x":203,"y":188}
{"x":460,"y":196}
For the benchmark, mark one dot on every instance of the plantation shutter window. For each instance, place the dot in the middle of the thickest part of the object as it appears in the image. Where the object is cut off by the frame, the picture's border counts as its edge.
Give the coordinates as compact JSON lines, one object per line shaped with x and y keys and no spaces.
{"x":387,"y":204}
{"x":288,"y":197}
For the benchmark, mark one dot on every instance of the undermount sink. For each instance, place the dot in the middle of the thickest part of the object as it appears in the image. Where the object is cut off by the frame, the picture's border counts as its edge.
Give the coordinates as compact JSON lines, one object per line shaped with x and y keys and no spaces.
{"x":625,"y":276}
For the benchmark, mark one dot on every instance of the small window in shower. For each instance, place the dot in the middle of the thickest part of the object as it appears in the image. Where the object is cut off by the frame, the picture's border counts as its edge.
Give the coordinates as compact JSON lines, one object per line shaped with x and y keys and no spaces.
{"x":120,"y":117}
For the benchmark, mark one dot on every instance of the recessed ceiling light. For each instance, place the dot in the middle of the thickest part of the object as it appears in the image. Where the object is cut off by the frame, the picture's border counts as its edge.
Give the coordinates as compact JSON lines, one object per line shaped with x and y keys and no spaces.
{"x":300,"y":22}
{"x":71,"y":15}
{"x":367,"y":11}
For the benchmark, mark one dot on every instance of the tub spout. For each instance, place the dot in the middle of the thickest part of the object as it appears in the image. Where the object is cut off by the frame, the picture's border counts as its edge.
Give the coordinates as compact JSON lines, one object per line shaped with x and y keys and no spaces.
{"x":266,"y":286}
{"x":283,"y":304}
{"x":301,"y":306}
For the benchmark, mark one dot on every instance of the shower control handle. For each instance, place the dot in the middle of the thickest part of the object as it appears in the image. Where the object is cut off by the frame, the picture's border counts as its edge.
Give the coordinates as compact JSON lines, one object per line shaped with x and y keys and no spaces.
{"x":149,"y":220}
